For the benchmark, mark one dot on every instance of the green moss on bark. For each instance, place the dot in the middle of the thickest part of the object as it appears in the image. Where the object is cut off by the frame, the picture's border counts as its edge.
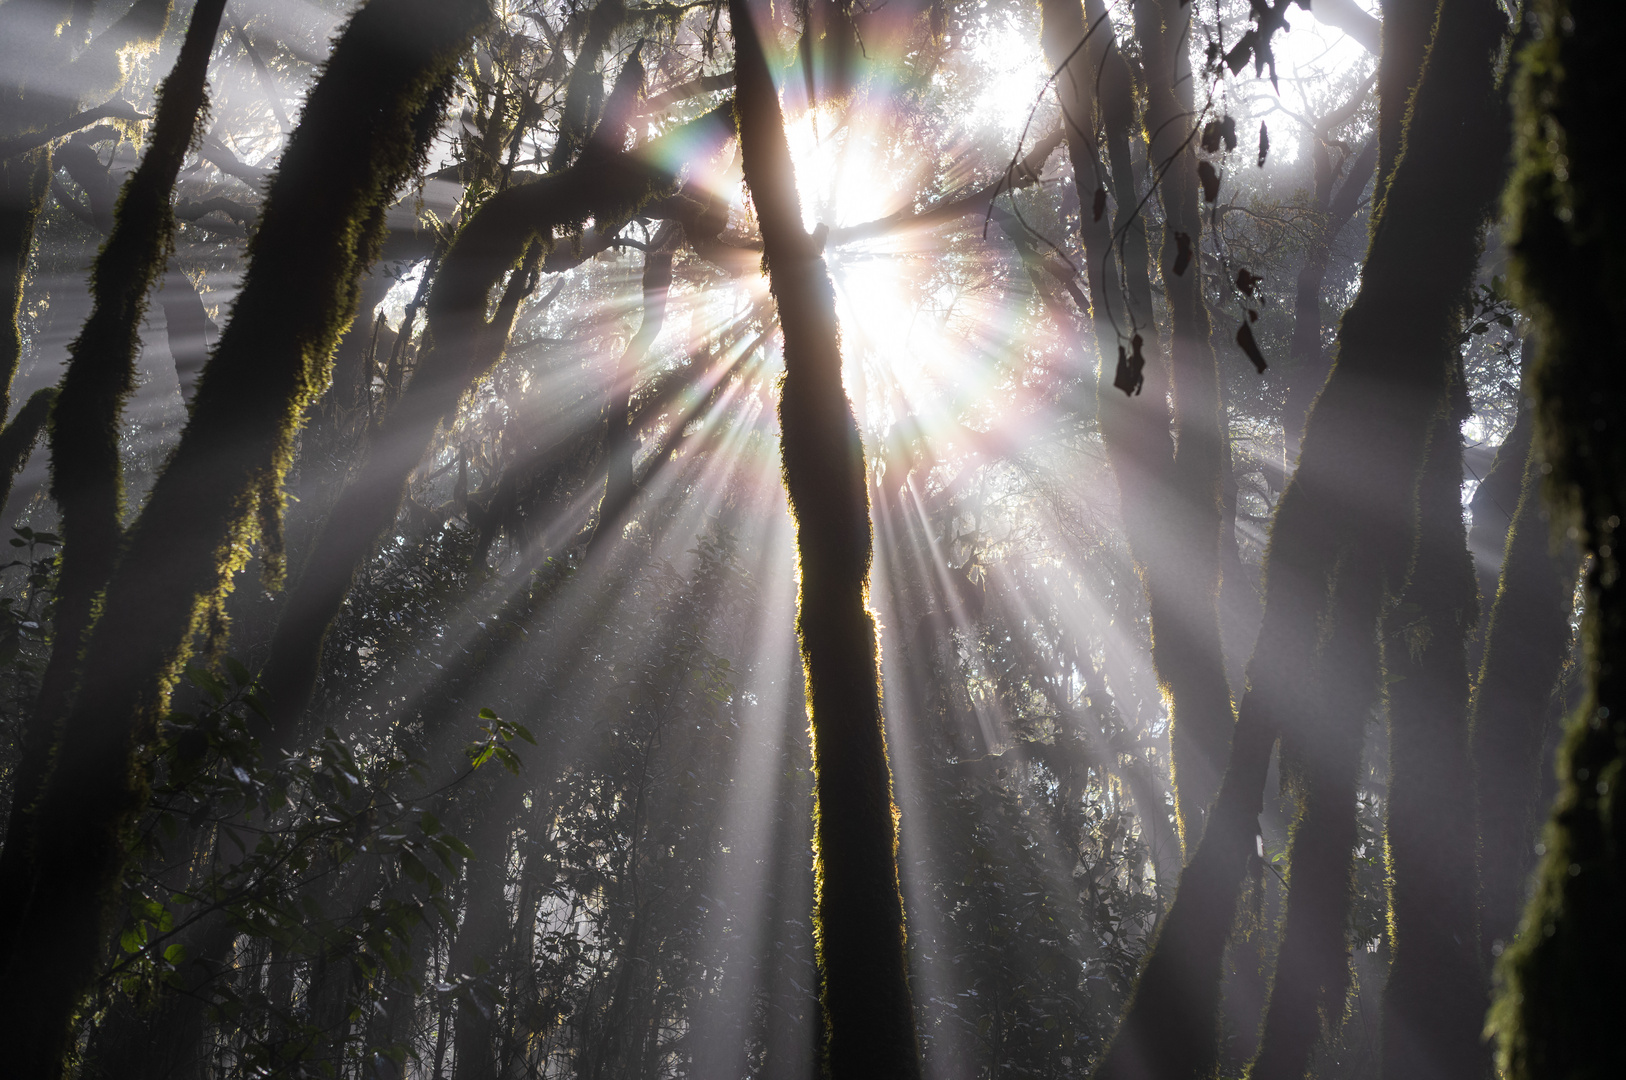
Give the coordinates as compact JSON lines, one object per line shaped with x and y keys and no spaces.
{"x":1559,"y":1009}
{"x":86,"y":421}
{"x":1342,"y":526}
{"x":365,"y":129}
{"x":858,"y":920}
{"x":1434,"y":1000}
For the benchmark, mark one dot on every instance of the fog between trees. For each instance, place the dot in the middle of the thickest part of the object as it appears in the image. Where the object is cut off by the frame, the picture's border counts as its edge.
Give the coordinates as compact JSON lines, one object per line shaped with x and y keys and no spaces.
{"x":923,"y":539}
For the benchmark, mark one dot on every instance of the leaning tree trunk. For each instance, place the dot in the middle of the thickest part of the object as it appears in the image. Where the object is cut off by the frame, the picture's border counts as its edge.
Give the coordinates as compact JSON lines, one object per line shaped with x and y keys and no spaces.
{"x":1342,"y":525}
{"x":1434,"y":1001}
{"x":366,"y":128}
{"x":17,"y":438}
{"x":1562,"y":1000}
{"x":1527,"y":645}
{"x":858,"y":911}
{"x":86,"y":422}
{"x":1455,"y":93}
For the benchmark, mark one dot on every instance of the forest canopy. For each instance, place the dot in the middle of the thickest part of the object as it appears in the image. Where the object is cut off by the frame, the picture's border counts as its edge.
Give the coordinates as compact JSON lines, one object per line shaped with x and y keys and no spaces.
{"x":925,"y":538}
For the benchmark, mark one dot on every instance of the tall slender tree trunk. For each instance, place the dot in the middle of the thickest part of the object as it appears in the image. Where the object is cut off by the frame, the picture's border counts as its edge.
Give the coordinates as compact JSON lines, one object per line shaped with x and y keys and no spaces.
{"x":1559,"y":1011}
{"x":1321,"y":757}
{"x":368,"y":123}
{"x":1526,"y":646}
{"x":86,"y":420}
{"x":1186,"y":643}
{"x":1341,"y":528}
{"x":1434,"y":1001}
{"x":858,"y":910}
{"x":1170,"y":491}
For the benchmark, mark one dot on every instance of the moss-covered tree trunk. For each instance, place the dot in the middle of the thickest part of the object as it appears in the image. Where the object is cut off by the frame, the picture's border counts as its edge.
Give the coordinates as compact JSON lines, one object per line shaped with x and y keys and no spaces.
{"x":1434,"y":1001}
{"x":17,"y":438}
{"x":1560,"y":1007}
{"x":858,"y":910}
{"x":1527,"y":645}
{"x":1321,"y":754}
{"x":366,"y":126}
{"x":1340,"y":537}
{"x":86,"y":422}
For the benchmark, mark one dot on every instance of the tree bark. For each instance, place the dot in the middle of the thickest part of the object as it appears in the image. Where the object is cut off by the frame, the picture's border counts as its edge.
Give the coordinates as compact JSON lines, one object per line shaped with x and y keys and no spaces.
{"x":86,"y":421}
{"x":1434,"y":1001}
{"x":1351,"y":496}
{"x":1559,"y":1010}
{"x":1171,"y":501}
{"x":1527,"y":644}
{"x":858,"y":911}
{"x":1186,"y":644}
{"x":322,"y":221}
{"x":17,"y":438}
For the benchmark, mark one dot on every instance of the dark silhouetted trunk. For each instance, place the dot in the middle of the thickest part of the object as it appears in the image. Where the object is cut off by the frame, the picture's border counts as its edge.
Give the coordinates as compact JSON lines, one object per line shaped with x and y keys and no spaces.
{"x":1559,"y":1011}
{"x":17,"y":438}
{"x":87,"y":421}
{"x":1527,"y":643}
{"x":1342,"y":526}
{"x":1184,"y":594}
{"x":858,"y":912}
{"x":321,"y":226}
{"x":1321,"y":755}
{"x":1434,"y":1001}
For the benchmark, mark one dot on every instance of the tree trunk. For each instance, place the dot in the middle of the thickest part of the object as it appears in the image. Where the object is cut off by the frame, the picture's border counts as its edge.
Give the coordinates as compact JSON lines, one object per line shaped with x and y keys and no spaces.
{"x":322,"y":220}
{"x":1186,"y":643}
{"x":1351,"y":496}
{"x":1561,"y":1003}
{"x":87,"y":419}
{"x":1434,"y":1001}
{"x":1171,"y":501}
{"x":858,"y":911}
{"x":17,"y":438}
{"x":1527,"y":645}
{"x":1322,"y":755}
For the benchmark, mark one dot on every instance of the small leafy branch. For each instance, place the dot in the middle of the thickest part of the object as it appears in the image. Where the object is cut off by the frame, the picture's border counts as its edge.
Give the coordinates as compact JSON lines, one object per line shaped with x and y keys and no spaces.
{"x":499,"y":733}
